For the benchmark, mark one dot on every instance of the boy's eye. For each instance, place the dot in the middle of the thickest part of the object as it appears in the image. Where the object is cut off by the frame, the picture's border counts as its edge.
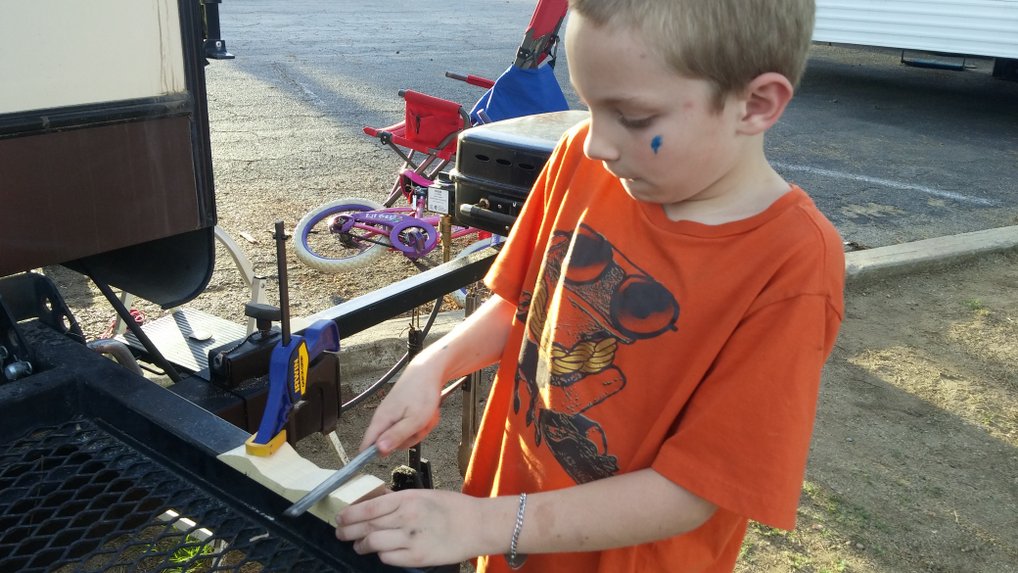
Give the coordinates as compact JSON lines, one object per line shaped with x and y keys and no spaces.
{"x":635,"y":123}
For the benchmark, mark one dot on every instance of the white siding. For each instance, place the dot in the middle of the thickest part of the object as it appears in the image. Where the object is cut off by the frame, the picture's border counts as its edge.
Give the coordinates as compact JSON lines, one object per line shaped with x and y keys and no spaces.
{"x":970,"y":27}
{"x":56,"y":53}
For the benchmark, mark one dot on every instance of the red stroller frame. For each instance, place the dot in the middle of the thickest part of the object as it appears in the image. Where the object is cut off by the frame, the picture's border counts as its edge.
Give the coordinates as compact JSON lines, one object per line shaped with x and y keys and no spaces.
{"x":540,"y":41}
{"x":541,"y":38}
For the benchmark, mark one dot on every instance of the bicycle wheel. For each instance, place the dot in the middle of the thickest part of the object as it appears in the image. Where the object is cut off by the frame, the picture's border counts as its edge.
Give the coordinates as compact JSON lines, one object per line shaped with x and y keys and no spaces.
{"x":321,"y":243}
{"x":460,"y":295}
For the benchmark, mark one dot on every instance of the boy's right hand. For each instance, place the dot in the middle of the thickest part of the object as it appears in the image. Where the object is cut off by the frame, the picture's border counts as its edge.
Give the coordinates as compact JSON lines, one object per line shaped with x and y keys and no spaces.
{"x":411,"y":409}
{"x":409,"y":412}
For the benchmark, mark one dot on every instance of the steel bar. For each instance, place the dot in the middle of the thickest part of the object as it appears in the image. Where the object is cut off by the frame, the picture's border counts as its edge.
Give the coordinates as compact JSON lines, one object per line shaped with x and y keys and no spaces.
{"x":136,"y":329}
{"x":333,"y":482}
{"x":372,"y":308}
{"x":344,"y":474}
{"x":284,"y":287}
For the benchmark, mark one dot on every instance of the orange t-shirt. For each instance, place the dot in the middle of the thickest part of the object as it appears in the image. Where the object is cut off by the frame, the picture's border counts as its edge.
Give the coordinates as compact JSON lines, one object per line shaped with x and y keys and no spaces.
{"x":642,"y":342}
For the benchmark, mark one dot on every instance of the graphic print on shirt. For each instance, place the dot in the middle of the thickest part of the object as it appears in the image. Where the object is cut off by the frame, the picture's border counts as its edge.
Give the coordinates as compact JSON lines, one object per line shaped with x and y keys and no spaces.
{"x":600,"y":300}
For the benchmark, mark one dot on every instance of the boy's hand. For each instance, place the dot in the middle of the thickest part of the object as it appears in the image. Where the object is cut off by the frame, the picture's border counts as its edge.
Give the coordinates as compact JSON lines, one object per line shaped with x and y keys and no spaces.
{"x":408,"y":413}
{"x":415,"y":527}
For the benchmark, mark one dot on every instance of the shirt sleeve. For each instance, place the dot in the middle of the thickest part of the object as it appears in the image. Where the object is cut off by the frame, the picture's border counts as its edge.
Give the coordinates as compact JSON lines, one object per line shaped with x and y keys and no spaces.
{"x":743,"y":438}
{"x":506,"y":275}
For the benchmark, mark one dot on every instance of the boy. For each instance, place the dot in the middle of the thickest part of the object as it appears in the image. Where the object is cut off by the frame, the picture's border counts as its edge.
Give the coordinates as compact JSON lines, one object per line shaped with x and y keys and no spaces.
{"x":662,"y":311}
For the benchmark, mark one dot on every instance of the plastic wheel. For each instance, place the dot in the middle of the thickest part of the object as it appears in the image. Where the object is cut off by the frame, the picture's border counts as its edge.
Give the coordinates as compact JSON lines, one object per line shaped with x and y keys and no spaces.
{"x":460,"y":295}
{"x":322,"y":243}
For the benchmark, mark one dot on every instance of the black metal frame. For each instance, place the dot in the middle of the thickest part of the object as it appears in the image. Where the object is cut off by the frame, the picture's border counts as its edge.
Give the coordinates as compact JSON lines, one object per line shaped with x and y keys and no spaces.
{"x":215,"y":45}
{"x":73,"y":383}
{"x":370,"y":309}
{"x":36,"y":122}
{"x":242,"y":404}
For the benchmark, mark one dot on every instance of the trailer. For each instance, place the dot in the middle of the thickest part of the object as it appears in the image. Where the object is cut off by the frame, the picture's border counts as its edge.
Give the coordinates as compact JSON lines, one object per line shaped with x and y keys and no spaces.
{"x":984,"y":28}
{"x":105,"y":168}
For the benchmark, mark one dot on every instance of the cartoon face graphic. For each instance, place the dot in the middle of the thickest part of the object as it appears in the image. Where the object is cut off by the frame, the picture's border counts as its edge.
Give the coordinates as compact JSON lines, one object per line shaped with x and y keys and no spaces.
{"x":600,"y":300}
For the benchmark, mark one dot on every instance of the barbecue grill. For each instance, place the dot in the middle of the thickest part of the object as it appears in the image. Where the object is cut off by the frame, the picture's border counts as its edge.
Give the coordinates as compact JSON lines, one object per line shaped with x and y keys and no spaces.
{"x":497,"y":164}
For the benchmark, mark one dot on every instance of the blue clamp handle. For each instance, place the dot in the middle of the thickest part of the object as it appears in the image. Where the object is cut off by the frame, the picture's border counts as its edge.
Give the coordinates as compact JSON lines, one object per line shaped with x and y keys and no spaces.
{"x":288,"y":369}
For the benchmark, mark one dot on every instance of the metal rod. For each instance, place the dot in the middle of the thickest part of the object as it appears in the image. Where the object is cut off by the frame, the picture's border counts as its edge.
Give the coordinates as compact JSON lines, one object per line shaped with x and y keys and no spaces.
{"x":446,"y":227}
{"x":414,"y":344}
{"x":118,"y":351}
{"x":332,"y":482}
{"x":136,"y":330}
{"x":344,"y":474}
{"x":471,"y":386}
{"x":403,"y":361}
{"x":284,"y":291}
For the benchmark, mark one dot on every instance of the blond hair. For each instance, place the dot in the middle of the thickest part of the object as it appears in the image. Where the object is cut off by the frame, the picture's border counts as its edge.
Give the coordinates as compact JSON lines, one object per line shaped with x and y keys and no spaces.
{"x":726,"y":42}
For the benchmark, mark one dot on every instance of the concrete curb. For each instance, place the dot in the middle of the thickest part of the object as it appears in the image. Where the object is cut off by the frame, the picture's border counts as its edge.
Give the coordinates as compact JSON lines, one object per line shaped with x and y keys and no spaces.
{"x":928,"y":254}
{"x":381,"y":346}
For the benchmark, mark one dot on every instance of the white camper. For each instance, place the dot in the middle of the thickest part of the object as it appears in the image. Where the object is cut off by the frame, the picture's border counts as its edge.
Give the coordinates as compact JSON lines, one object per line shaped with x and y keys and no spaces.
{"x":104,"y":139}
{"x":987,"y":28}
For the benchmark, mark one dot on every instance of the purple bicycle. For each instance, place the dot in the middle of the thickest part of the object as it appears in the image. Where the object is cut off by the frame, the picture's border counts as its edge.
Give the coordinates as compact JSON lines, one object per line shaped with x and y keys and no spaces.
{"x":349,"y":233}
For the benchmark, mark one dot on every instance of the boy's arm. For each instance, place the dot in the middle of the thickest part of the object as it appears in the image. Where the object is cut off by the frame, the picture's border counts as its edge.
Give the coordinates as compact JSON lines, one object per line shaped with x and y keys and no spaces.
{"x":620,"y":511}
{"x":410,"y":410}
{"x":428,"y":527}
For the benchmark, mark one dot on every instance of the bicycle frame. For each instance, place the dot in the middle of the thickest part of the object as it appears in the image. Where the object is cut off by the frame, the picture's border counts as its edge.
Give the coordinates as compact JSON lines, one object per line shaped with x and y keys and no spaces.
{"x":407,"y":229}
{"x":413,"y":236}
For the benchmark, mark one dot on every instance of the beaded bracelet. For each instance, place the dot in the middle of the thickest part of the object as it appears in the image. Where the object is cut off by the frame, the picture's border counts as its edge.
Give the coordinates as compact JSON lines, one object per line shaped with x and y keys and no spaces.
{"x":516,"y":560}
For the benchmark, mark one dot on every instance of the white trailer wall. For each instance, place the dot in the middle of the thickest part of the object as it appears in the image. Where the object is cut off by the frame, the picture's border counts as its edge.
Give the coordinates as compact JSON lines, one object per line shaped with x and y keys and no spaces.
{"x":56,"y":53}
{"x":969,"y":27}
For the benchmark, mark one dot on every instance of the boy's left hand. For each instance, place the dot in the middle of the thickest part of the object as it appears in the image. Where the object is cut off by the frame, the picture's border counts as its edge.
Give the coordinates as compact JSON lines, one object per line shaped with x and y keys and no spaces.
{"x":414,"y":528}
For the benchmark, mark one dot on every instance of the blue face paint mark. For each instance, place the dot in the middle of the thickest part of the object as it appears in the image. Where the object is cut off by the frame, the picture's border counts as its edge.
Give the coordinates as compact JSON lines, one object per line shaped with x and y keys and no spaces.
{"x":655,"y":143}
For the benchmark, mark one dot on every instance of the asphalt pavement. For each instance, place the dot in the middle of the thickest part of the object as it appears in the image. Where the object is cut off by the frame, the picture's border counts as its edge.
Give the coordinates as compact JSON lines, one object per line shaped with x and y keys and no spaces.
{"x":916,"y":166}
{"x":891,"y":153}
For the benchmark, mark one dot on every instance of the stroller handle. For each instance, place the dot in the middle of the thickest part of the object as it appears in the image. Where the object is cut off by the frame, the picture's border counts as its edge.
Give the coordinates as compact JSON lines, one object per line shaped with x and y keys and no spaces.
{"x":471,"y":79}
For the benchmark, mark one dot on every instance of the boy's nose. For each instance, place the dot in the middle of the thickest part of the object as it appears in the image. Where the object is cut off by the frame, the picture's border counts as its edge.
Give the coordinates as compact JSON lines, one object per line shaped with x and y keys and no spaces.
{"x":598,"y":146}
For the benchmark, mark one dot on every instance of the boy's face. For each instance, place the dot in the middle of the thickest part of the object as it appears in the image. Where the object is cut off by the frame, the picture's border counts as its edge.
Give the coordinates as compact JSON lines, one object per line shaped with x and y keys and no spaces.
{"x":657,"y":131}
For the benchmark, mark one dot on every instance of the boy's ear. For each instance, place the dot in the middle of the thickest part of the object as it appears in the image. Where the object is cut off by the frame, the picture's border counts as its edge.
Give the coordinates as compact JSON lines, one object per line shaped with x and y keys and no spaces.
{"x":764,"y":100}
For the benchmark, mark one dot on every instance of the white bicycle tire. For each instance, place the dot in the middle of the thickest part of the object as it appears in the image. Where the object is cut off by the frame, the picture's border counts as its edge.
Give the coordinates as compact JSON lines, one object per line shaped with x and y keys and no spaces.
{"x":328,"y":264}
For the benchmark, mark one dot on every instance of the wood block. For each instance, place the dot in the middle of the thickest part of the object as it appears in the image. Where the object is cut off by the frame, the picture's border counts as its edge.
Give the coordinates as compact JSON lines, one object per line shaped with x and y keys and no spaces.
{"x":292,"y":476}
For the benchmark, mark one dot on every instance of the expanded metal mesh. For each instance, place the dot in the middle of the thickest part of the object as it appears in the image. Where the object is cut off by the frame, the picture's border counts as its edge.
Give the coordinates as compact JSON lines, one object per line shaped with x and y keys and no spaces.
{"x":74,"y":498}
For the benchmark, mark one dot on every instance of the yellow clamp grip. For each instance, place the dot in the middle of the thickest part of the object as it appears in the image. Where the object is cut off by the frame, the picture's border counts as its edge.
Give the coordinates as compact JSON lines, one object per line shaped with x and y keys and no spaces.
{"x":267,"y":449}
